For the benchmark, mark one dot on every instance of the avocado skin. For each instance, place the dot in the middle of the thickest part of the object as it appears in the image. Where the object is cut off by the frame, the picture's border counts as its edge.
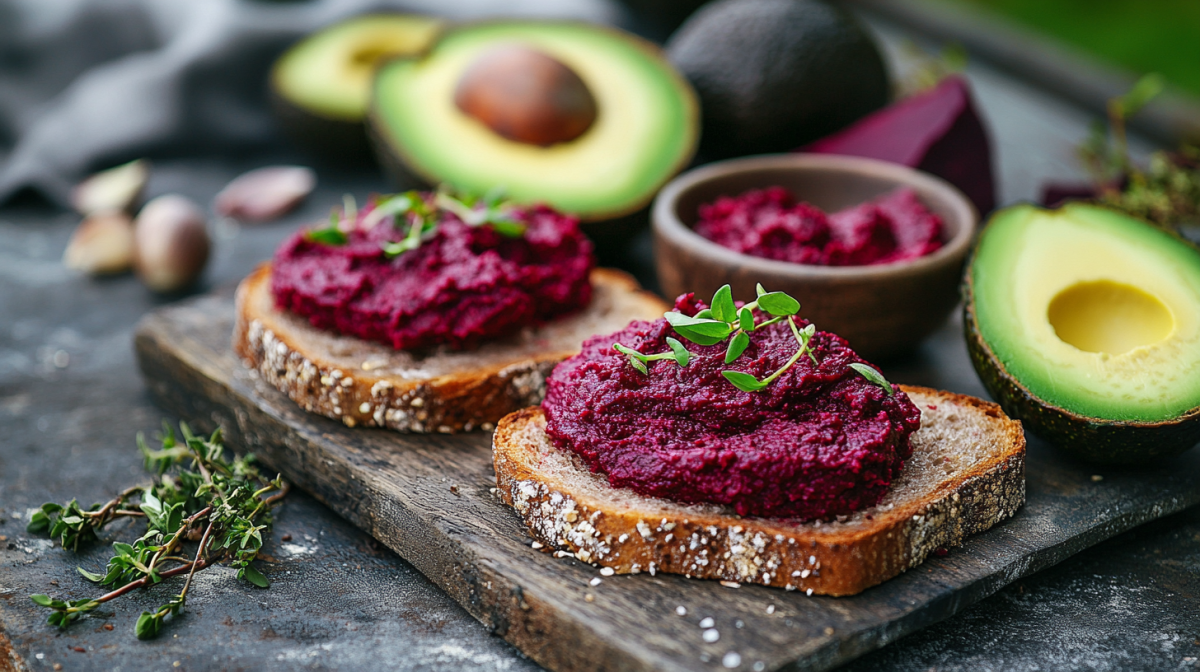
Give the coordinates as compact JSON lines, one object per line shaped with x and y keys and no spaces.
{"x":773,"y":75}
{"x":1095,"y":440}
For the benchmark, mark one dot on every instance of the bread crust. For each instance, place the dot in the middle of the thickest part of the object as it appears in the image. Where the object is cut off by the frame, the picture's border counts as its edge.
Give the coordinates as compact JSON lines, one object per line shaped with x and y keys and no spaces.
{"x":616,"y":528}
{"x":371,"y":385}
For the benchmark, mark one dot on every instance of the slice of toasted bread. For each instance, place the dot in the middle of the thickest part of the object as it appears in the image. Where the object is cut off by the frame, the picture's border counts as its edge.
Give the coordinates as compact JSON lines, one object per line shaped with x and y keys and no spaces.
{"x":966,"y":473}
{"x":369,"y":384}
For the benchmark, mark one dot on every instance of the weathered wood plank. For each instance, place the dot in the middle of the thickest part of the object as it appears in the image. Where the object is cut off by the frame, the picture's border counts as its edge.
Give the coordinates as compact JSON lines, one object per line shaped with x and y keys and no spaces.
{"x":398,"y":488}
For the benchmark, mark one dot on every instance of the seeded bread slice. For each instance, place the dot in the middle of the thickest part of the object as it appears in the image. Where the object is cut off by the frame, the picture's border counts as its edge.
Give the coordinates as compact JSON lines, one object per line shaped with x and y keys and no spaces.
{"x":369,"y":384}
{"x":966,"y":473}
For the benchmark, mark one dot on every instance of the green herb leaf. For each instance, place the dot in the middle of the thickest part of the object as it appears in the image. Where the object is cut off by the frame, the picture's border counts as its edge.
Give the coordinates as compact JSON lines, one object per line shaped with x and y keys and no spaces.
{"x":736,"y":347}
{"x":254,"y":576}
{"x":507,"y":226}
{"x":147,"y":626}
{"x":744,"y":381}
{"x":701,"y":331}
{"x":758,"y":289}
{"x":328,"y":236}
{"x":778,"y":303}
{"x":722,"y":304}
{"x":746,"y":319}
{"x":94,"y":578}
{"x":39,"y":523}
{"x":1145,"y":90}
{"x":639,"y":365}
{"x":42,"y":600}
{"x":873,"y":376}
{"x":682,"y":356}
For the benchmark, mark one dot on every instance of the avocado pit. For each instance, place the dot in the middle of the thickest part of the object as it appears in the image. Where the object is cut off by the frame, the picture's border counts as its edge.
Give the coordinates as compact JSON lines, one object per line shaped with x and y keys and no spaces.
{"x":1109,"y":317}
{"x":526,"y":96}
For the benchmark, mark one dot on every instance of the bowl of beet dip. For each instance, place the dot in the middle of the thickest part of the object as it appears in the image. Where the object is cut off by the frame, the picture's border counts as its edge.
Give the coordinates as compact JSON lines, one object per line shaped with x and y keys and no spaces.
{"x":872,"y":250}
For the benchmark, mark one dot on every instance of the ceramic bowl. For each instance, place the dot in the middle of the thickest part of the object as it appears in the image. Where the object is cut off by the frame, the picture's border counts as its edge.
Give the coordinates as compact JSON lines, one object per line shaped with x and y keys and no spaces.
{"x":882,"y":310}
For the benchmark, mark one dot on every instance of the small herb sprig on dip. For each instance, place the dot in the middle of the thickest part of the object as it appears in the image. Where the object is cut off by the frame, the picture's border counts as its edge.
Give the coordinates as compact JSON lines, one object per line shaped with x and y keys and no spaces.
{"x":419,"y":216}
{"x":423,"y":217}
{"x":198,"y":494}
{"x":724,"y":320}
{"x":1167,"y":191}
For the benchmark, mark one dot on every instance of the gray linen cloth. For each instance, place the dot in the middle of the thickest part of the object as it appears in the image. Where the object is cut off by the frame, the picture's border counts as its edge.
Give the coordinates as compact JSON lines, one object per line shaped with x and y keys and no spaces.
{"x":85,"y":84}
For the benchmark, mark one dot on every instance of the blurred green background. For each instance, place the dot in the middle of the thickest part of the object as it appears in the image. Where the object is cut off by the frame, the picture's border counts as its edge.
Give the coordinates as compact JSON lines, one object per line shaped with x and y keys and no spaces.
{"x":1141,"y":35}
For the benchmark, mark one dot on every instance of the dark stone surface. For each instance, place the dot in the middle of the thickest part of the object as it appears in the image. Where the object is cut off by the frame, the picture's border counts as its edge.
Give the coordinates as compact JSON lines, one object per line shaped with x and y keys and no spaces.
{"x":1130,"y":603}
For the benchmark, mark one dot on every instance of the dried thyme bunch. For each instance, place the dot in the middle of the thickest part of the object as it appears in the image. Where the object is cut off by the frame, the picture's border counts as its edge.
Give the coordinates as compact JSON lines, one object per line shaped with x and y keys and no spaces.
{"x":198,"y":495}
{"x":1165,"y":192}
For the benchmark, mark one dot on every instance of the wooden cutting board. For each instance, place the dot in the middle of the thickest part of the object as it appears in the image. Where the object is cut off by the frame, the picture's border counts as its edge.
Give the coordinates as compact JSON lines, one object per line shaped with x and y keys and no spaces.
{"x":428,"y":497}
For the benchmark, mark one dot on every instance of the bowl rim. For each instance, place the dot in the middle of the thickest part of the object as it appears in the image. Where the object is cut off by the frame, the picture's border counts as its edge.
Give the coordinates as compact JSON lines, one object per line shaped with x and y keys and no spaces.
{"x":668,"y":224}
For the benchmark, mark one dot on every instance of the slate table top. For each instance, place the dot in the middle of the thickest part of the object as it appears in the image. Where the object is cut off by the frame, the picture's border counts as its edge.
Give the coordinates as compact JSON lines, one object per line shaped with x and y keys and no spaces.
{"x":71,"y":402}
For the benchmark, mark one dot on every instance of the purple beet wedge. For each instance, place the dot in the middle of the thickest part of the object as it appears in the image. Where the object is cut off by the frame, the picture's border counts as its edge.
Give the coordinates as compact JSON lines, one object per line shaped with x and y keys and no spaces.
{"x":937,"y":131}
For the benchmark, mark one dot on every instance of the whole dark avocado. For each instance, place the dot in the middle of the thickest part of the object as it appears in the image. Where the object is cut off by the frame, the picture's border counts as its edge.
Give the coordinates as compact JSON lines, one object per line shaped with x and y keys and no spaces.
{"x":1084,"y":324}
{"x":773,"y":75}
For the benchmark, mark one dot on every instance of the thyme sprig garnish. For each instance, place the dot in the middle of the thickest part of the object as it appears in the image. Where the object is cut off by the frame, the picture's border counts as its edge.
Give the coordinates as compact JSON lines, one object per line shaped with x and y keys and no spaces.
{"x":196,"y":486}
{"x":1166,"y":191}
{"x":748,"y":383}
{"x":423,"y":217}
{"x":722,"y":320}
{"x":419,"y":217}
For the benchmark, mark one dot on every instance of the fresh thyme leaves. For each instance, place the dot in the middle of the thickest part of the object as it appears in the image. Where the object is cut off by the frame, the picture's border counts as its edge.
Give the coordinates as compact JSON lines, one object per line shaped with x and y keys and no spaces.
{"x":423,"y":217}
{"x":724,"y":319}
{"x":420,"y":216}
{"x":492,"y":210}
{"x":196,"y":489}
{"x":873,"y":376}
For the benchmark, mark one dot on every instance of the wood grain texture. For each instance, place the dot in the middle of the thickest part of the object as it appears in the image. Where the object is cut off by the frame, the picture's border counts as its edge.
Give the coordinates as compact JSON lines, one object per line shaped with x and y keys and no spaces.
{"x":429,"y":498}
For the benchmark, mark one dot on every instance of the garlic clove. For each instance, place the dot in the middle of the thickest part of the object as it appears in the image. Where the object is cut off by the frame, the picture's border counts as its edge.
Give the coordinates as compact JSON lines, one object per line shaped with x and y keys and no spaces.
{"x":101,"y":245}
{"x":113,"y":189}
{"x":171,"y":243}
{"x":266,"y":193}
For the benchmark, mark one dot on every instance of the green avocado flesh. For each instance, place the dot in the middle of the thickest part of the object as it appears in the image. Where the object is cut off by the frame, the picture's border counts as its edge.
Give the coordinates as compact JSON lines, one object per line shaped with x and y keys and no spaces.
{"x":1091,"y":311}
{"x":329,"y":73}
{"x":644,"y":132}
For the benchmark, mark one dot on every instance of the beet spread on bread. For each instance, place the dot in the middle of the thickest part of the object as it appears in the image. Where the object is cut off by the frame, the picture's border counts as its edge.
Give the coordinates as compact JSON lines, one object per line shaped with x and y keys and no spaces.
{"x":736,"y":442}
{"x":818,"y":441}
{"x":433,"y":271}
{"x":428,"y":313}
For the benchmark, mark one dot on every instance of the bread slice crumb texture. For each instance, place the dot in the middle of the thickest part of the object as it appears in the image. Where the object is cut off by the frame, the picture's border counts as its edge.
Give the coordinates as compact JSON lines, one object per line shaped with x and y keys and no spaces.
{"x":966,"y":474}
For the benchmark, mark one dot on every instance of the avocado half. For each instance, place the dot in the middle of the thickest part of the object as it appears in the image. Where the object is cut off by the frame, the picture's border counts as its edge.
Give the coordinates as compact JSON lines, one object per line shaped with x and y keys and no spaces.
{"x":321,"y":86}
{"x":1084,"y":323}
{"x":644,"y":131}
